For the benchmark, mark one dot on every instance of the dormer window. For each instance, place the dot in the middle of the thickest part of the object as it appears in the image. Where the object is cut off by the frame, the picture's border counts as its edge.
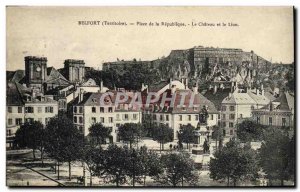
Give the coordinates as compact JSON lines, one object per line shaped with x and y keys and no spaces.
{"x":183,"y":108}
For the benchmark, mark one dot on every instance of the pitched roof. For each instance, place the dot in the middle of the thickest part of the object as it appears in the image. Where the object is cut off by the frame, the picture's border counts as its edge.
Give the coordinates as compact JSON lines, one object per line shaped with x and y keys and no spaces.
{"x":218,"y":97}
{"x":13,"y":96}
{"x":286,"y":103}
{"x":15,"y":76}
{"x":238,"y":98}
{"x":53,"y":76}
{"x":258,"y":98}
{"x":188,"y":101}
{"x":157,"y":86}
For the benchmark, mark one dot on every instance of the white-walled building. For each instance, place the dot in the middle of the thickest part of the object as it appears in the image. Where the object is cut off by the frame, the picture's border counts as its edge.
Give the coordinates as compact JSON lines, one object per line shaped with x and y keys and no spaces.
{"x":89,"y":110}
{"x":238,"y":106}
{"x":24,"y":105}
{"x":278,"y":113}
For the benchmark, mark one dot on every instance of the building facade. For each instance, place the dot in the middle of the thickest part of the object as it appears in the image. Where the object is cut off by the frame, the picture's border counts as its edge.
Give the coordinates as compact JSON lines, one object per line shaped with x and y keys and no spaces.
{"x":90,"y":110}
{"x":238,"y":106}
{"x":278,"y":113}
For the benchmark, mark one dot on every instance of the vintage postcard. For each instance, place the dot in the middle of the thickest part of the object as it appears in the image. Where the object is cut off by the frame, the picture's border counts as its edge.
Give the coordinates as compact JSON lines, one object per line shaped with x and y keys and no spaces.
{"x":150,"y":96}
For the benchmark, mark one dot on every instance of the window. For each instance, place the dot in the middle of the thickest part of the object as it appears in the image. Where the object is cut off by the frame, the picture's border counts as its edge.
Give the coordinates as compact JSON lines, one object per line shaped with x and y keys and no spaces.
{"x":9,"y":109}
{"x":93,"y":109}
{"x":9,"y":121}
{"x":93,"y":120}
{"x":283,"y":122}
{"x":102,"y":119}
{"x":110,"y":109}
{"x":167,"y":117}
{"x":161,"y":117}
{"x":75,"y":119}
{"x":134,"y":116}
{"x":101,"y":109}
{"x":232,"y":116}
{"x":183,"y":109}
{"x":80,"y":110}
{"x":219,"y":116}
{"x":231,"y":132}
{"x":196,"y":117}
{"x":189,"y":117}
{"x":80,"y":120}
{"x":224,"y":116}
{"x":241,"y":116}
{"x":224,"y":124}
{"x":8,"y":133}
{"x":231,"y":108}
{"x":195,"y":108}
{"x":211,"y":117}
{"x":258,"y":119}
{"x":75,"y":109}
{"x":126,"y":117}
{"x":29,"y":120}
{"x":118,"y":117}
{"x":20,"y":110}
{"x":19,"y":121}
{"x":29,"y":110}
{"x":270,"y":121}
{"x":110,"y":120}
{"x":230,"y":124}
{"x":180,"y":117}
{"x":154,"y":116}
{"x":49,"y":109}
{"x":223,"y":108}
{"x":39,"y":109}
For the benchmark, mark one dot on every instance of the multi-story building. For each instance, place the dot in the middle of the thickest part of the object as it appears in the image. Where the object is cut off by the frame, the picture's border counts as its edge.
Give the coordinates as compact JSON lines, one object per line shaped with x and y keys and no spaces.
{"x":278,"y":113}
{"x":186,"y":109}
{"x":24,"y":105}
{"x":90,"y":110}
{"x":238,"y":106}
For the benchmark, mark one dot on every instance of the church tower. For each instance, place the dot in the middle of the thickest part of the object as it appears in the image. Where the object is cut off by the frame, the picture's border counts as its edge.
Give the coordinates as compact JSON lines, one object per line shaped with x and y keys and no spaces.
{"x":35,"y":72}
{"x":75,"y":70}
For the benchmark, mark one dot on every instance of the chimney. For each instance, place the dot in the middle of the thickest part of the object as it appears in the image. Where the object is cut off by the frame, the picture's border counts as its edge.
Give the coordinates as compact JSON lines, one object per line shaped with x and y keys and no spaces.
{"x":215,"y":89}
{"x":101,"y":85}
{"x":230,"y":95}
{"x":257,"y":91}
{"x":80,"y":96}
{"x":186,"y":83}
{"x":170,"y":83}
{"x":195,"y":88}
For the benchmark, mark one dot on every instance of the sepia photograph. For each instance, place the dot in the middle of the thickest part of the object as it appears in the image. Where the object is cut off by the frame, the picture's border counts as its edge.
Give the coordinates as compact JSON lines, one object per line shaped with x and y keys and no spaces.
{"x":150,"y":97}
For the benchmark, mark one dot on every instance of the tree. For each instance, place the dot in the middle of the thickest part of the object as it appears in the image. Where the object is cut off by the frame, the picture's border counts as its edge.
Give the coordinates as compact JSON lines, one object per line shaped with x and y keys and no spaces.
{"x":163,"y":134}
{"x":116,"y":164}
{"x":217,"y":134}
{"x":186,"y":134}
{"x":233,"y":162}
{"x":152,"y":165}
{"x":177,"y":168}
{"x":130,"y":132}
{"x":136,"y":164}
{"x":31,"y":135}
{"x":248,"y":131}
{"x":94,"y":157}
{"x":63,"y":141}
{"x":100,"y":132}
{"x":275,"y":154}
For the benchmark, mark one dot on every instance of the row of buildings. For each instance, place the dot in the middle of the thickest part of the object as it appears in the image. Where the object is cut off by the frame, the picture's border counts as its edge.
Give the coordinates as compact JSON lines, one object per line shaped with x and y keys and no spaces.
{"x":41,"y":92}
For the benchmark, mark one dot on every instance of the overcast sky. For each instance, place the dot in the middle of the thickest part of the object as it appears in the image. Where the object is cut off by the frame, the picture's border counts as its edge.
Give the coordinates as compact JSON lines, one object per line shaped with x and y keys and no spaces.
{"x":54,"y":33}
